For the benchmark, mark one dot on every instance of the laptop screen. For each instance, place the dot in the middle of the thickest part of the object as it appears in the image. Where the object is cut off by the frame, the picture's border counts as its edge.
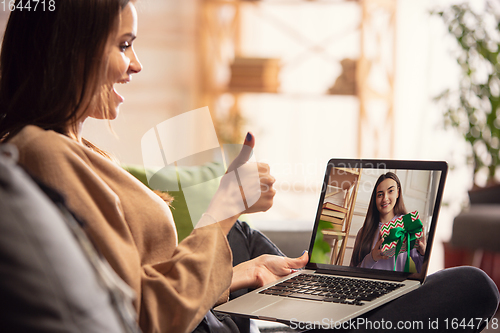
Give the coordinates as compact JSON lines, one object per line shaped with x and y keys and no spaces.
{"x":378,"y":215}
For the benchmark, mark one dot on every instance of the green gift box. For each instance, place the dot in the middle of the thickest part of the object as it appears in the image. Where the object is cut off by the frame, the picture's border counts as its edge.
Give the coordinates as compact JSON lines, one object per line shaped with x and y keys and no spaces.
{"x":400,"y":235}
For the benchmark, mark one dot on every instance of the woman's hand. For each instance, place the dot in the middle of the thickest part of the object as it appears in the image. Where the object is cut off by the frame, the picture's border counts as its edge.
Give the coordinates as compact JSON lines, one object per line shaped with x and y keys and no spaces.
{"x":254,"y":179}
{"x":245,"y":188}
{"x":421,"y":244}
{"x":264,"y":201}
{"x":262,"y":270}
{"x":377,"y":251}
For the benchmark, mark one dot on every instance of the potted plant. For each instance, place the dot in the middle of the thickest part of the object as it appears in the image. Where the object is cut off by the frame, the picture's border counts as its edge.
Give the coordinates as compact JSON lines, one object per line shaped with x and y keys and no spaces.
{"x":473,"y":108}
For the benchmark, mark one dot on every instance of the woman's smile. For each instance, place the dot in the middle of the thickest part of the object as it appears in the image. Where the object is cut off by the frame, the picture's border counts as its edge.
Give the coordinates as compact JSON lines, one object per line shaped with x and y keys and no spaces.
{"x":385,"y":204}
{"x":119,"y":97}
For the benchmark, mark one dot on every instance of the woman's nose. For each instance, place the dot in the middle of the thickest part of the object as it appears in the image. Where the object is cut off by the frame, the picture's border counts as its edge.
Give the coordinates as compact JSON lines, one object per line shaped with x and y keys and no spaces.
{"x":135,"y":65}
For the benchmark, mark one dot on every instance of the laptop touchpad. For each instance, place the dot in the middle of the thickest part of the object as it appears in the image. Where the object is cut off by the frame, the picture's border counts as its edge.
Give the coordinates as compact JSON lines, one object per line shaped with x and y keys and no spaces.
{"x":289,"y":308}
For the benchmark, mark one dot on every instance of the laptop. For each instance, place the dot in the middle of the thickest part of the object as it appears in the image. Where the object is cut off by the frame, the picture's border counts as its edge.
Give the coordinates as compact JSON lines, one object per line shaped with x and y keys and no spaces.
{"x":342,"y":280}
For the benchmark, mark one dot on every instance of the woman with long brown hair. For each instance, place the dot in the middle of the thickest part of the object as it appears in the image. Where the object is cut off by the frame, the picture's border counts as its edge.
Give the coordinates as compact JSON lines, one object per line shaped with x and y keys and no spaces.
{"x":59,"y":67}
{"x":386,"y":204}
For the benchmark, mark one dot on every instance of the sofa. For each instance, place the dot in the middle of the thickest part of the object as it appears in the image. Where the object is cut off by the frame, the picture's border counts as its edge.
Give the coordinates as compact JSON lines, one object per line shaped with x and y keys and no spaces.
{"x":53,"y":280}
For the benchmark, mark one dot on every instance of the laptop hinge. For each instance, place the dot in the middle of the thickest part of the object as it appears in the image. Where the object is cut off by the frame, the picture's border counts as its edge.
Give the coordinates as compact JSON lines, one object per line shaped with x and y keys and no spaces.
{"x":371,"y":275}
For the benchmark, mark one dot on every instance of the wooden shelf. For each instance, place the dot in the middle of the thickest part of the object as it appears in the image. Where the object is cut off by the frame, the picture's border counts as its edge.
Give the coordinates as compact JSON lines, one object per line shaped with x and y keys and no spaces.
{"x":347,"y":180}
{"x":220,"y":40}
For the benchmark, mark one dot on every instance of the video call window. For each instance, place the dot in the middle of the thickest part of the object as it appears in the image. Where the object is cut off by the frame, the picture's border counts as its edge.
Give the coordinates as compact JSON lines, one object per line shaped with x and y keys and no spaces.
{"x":358,"y":200}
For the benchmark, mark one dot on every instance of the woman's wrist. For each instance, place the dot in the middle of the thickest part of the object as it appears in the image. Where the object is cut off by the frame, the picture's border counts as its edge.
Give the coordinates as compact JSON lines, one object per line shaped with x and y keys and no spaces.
{"x":228,"y":223}
{"x":243,"y":276}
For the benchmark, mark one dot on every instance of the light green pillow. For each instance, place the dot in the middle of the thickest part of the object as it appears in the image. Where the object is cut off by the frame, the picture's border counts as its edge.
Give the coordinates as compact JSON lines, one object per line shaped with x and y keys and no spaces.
{"x":192,"y":186}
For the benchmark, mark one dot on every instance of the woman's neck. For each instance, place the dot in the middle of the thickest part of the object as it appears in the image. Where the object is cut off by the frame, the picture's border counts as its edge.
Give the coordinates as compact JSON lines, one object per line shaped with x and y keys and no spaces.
{"x":387,"y":217}
{"x":75,"y":131}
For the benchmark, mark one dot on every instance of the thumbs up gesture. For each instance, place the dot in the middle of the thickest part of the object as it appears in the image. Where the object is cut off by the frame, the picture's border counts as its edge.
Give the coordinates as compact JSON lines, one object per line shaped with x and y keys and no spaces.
{"x":245,"y":188}
{"x":255,"y":180}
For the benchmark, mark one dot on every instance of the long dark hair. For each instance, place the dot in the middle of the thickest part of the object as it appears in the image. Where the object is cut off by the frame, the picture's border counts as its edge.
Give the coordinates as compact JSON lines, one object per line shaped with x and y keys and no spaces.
{"x":52,"y":64}
{"x":364,"y":241}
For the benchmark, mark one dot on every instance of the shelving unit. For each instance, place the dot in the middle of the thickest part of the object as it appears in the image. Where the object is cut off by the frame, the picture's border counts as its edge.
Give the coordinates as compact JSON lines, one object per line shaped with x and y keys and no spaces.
{"x":348,"y":181}
{"x":220,"y":41}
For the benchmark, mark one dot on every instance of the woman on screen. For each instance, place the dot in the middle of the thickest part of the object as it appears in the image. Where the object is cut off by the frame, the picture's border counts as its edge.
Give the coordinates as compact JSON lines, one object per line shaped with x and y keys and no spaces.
{"x":386,"y":204}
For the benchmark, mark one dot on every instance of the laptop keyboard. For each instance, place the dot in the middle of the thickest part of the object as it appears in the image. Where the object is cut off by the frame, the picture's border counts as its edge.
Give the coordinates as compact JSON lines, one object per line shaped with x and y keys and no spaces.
{"x":331,"y":289}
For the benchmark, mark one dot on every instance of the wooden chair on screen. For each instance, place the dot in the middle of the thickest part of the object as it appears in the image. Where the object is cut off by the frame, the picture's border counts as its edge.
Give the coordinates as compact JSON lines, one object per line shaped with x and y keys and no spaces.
{"x":338,"y":208}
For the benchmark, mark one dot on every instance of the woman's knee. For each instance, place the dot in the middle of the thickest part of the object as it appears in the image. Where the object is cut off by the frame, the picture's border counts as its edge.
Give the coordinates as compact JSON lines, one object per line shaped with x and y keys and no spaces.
{"x":473,"y":283}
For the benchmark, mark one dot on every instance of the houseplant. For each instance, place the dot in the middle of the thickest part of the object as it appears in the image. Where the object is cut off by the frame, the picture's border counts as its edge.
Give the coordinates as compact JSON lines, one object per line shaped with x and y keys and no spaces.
{"x":473,"y":108}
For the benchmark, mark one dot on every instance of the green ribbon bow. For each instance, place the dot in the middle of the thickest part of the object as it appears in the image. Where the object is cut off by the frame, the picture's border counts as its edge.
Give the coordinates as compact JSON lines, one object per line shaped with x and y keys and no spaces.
{"x":398,"y":234}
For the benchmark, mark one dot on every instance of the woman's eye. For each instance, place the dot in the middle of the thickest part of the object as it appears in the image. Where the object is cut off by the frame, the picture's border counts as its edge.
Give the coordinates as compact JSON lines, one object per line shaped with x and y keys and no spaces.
{"x":124,"y":46}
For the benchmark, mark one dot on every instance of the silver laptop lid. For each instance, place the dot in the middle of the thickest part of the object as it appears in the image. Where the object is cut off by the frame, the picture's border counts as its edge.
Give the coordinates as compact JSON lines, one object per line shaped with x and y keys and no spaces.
{"x":356,"y":196}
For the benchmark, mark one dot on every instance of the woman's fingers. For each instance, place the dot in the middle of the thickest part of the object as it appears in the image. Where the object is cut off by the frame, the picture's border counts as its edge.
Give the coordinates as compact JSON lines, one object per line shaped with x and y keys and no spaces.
{"x":267,"y":192}
{"x":377,"y":251}
{"x":245,"y":153}
{"x":266,"y":180}
{"x":247,"y":187}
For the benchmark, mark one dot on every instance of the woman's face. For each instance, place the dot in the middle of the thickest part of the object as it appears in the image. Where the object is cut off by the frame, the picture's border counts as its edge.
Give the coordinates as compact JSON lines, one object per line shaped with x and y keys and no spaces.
{"x":386,"y":196}
{"x":123,"y":61}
